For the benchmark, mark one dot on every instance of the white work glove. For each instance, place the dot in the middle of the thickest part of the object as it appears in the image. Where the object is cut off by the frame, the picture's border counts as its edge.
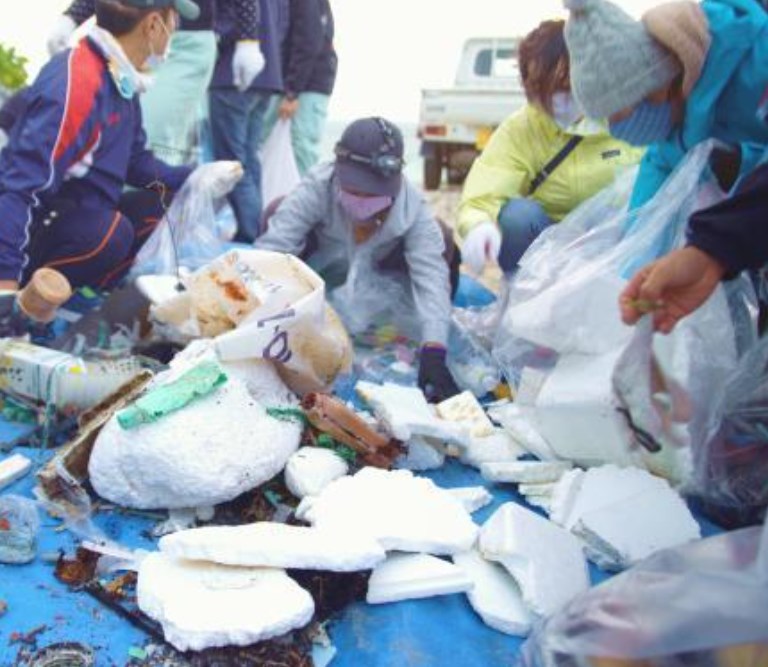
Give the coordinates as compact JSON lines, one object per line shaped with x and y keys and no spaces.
{"x":481,"y":246}
{"x":59,"y":37}
{"x":247,"y":64}
{"x":216,"y":178}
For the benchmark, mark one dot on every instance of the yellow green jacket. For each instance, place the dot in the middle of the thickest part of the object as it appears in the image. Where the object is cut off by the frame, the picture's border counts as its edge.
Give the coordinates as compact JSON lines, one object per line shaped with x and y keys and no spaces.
{"x":519,"y":149}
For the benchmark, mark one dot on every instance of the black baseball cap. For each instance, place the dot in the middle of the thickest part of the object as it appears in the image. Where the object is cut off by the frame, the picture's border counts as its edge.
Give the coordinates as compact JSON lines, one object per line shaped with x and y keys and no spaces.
{"x":186,"y":8}
{"x":369,"y":157}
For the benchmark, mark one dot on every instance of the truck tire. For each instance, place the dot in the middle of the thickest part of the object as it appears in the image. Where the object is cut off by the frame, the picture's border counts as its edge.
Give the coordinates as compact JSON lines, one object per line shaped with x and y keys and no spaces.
{"x":433,"y":170}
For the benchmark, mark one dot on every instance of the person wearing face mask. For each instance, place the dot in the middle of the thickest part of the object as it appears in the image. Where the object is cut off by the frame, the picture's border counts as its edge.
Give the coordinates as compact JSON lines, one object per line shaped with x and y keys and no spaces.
{"x":181,"y":75}
{"x":78,"y":144}
{"x":361,"y":203}
{"x":684,"y":74}
{"x":541,"y":162}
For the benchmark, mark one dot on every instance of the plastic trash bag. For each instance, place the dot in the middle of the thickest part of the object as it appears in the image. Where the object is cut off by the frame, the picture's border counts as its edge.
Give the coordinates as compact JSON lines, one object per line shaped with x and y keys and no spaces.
{"x":471,"y":365}
{"x":700,"y":604}
{"x":19,"y":524}
{"x":279,"y":173}
{"x":187,"y":236}
{"x":731,"y":468}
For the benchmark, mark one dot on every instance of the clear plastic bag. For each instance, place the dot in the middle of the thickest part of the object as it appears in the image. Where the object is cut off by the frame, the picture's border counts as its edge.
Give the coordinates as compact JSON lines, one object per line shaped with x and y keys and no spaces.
{"x":279,"y":173}
{"x":187,"y":236}
{"x":701,"y":604}
{"x":19,"y":525}
{"x":471,"y":365}
{"x":731,"y":469}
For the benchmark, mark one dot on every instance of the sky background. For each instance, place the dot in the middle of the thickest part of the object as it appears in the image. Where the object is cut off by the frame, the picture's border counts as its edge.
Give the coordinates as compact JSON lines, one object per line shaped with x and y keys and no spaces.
{"x":388,"y":50}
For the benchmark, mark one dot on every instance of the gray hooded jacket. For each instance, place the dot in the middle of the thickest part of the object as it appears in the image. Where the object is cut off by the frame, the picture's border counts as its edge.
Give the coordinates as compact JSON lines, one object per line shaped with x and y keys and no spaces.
{"x":314,"y":207}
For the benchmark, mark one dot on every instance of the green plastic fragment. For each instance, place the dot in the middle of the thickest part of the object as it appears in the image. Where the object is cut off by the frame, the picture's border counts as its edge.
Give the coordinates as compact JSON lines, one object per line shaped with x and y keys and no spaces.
{"x":327,"y":442}
{"x":287,"y":414}
{"x":272,"y":497}
{"x":137,"y":652}
{"x":200,"y":381}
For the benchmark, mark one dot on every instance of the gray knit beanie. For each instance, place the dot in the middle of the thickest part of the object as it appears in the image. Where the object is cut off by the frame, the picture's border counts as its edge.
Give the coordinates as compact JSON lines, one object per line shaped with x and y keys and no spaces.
{"x":615,"y":63}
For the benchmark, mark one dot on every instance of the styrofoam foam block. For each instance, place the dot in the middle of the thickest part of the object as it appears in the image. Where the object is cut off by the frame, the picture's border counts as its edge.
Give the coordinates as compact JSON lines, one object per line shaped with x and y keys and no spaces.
{"x":604,"y":487}
{"x":412,"y":576}
{"x":202,"y":605}
{"x":546,"y":561}
{"x":422,"y":455}
{"x":473,"y":498}
{"x":12,"y":468}
{"x":542,"y":502}
{"x":267,"y":544}
{"x":464,"y":408}
{"x":520,"y":423}
{"x":311,"y":469}
{"x":546,"y":489}
{"x":494,"y":448}
{"x":564,"y":496}
{"x":576,"y":412}
{"x":530,"y":472}
{"x":406,"y":413}
{"x":403,"y":512}
{"x":495,"y":597}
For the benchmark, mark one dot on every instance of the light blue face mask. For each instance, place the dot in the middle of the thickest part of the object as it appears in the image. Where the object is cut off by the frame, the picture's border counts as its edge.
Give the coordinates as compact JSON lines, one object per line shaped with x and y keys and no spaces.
{"x":647,"y":124}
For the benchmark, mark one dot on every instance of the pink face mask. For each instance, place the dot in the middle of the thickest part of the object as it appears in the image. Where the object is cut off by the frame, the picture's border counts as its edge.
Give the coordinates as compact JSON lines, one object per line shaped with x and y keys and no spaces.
{"x":363,"y":208}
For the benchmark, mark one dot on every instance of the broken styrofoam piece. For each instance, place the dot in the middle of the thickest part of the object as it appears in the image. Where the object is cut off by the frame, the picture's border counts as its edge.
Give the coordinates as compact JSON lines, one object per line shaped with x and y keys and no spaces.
{"x":465,"y":409}
{"x":497,"y":447}
{"x":604,"y":487}
{"x":422,"y":455}
{"x":564,"y":496}
{"x":311,"y":469}
{"x":546,"y":561}
{"x":495,"y":597}
{"x":267,"y":544}
{"x":12,"y":468}
{"x":519,"y":423}
{"x":201,"y":605}
{"x":208,"y":453}
{"x":406,"y":413}
{"x":401,"y":511}
{"x":530,"y":472}
{"x":542,"y":502}
{"x":544,"y":490}
{"x":413,"y":576}
{"x":473,"y":498}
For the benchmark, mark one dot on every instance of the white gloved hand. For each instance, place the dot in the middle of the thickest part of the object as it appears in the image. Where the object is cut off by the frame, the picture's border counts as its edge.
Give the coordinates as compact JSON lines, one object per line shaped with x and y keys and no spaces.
{"x":247,"y":64}
{"x":59,"y":37}
{"x":481,"y":246}
{"x":217,"y":178}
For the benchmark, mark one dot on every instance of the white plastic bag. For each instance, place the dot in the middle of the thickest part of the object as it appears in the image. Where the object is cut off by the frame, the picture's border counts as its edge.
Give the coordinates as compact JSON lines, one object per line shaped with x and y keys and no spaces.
{"x":279,"y":173}
{"x":700,"y":604}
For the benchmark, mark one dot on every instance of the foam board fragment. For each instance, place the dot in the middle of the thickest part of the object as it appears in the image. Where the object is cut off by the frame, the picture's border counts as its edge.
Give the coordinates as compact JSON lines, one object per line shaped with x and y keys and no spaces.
{"x":530,"y":472}
{"x":12,"y":468}
{"x":465,"y":409}
{"x":546,"y":561}
{"x":311,"y":469}
{"x":201,"y":605}
{"x":412,"y":576}
{"x":473,"y":498}
{"x":497,"y":447}
{"x":495,"y":596}
{"x":267,"y":544}
{"x":402,"y":512}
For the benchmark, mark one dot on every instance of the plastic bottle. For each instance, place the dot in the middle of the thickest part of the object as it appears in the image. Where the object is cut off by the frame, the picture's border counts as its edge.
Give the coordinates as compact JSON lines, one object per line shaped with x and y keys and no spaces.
{"x":471,"y":365}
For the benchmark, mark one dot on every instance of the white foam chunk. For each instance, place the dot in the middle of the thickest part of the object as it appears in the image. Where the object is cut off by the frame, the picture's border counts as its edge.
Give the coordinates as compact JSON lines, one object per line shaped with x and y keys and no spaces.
{"x":545,"y":490}
{"x":566,"y":490}
{"x":402,"y":512}
{"x":201,"y":605}
{"x":311,"y":469}
{"x":12,"y":468}
{"x":465,"y":409}
{"x":267,"y":544}
{"x":519,"y":422}
{"x":473,"y":498}
{"x":604,"y":487}
{"x":412,"y":576}
{"x":530,"y":472}
{"x":497,"y":447}
{"x":546,"y":561}
{"x":406,"y":413}
{"x":495,"y":597}
{"x":422,"y":454}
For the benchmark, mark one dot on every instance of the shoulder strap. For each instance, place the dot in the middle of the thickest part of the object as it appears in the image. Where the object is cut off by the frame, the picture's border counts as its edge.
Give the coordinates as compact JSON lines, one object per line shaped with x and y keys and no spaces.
{"x":554,"y":163}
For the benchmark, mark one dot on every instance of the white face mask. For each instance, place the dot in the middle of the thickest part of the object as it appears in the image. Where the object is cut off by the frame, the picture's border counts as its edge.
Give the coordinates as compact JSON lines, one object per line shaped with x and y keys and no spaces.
{"x":155,"y":60}
{"x":566,"y":110}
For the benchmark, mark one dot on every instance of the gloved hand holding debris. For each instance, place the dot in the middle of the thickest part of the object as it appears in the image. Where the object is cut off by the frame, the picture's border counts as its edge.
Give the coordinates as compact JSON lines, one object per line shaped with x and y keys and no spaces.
{"x":435,"y":380}
{"x":217,"y":178}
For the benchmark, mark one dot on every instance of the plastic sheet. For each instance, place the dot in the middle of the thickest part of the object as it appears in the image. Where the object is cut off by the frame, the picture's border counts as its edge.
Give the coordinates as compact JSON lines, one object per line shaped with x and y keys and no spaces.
{"x":701,"y":604}
{"x":19,"y":524}
{"x":280,"y":174}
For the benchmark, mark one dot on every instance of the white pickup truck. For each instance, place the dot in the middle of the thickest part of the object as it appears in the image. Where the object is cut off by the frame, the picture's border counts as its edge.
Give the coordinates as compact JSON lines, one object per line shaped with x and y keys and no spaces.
{"x":456,"y":123}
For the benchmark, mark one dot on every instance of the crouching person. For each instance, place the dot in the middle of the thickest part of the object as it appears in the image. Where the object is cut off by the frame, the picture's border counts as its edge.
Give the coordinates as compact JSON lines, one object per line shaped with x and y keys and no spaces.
{"x":78,"y":144}
{"x":361,"y":202}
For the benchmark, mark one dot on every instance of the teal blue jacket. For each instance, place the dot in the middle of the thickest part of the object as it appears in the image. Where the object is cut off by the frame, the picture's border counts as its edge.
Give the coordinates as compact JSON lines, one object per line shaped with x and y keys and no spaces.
{"x":723,"y":104}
